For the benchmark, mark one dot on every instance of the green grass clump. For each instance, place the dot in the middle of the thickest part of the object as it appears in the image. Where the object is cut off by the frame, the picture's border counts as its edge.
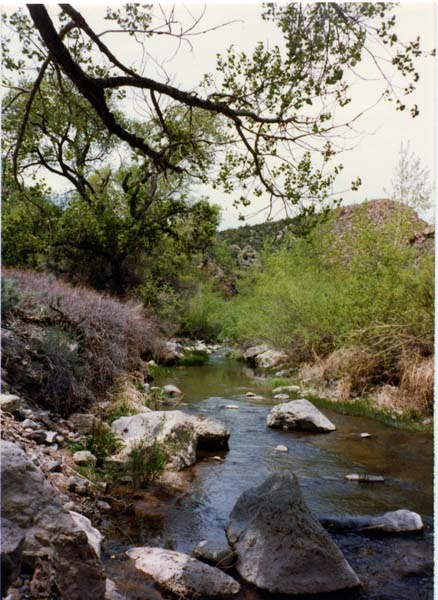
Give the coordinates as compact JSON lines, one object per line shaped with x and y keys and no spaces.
{"x":121,"y":410}
{"x":194,"y":358}
{"x":364,"y":407}
{"x":146,"y":463}
{"x":276,"y":382}
{"x":102,"y":443}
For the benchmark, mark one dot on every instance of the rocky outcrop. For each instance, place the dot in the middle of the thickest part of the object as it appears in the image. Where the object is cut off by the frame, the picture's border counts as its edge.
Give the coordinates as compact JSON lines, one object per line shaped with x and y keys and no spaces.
{"x":280,"y":546}
{"x":299,"y":415}
{"x":55,"y":547}
{"x":183,"y":433}
{"x":182,"y":575}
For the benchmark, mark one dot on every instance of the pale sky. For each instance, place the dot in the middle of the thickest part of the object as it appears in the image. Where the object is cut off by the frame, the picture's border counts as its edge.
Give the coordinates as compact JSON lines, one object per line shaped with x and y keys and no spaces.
{"x":374,"y":155}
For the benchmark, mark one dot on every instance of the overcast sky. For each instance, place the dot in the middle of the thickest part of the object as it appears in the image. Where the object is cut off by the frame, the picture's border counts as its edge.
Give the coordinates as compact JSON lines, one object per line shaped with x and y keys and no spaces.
{"x":376,"y":151}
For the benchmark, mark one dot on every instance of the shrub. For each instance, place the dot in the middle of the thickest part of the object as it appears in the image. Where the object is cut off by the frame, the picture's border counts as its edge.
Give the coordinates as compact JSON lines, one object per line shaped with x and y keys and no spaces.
{"x":102,"y":443}
{"x":355,"y":302}
{"x":74,"y":343}
{"x":146,"y":463}
{"x":202,"y":317}
{"x":11,"y":297}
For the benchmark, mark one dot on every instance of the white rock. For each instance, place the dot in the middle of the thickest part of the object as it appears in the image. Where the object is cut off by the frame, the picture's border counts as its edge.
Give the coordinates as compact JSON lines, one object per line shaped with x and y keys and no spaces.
{"x":231,"y":406}
{"x":9,"y":402}
{"x":172,"y":390}
{"x":84,"y":457}
{"x":281,"y":397}
{"x":299,"y":415}
{"x":186,"y":432}
{"x":363,"y":477}
{"x":398,"y":521}
{"x":270,"y":359}
{"x":93,"y":535}
{"x":181,"y":574}
{"x":250,"y":394}
{"x":251,"y":353}
{"x":281,"y":448}
{"x":365,"y":435}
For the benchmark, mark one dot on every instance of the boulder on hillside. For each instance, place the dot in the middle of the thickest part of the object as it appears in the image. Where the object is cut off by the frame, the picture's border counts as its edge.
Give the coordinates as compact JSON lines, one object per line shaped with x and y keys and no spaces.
{"x":184,"y":433}
{"x":53,"y":541}
{"x":299,"y":415}
{"x":270,"y":359}
{"x":280,"y":546}
{"x":182,"y":575}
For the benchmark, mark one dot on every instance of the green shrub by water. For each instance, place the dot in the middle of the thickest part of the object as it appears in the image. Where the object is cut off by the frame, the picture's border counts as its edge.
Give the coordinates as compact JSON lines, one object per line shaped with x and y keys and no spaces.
{"x":367,"y":288}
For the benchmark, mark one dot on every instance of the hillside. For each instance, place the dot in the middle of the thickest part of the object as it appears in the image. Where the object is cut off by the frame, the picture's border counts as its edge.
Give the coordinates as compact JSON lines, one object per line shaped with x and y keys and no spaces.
{"x":378,"y":213}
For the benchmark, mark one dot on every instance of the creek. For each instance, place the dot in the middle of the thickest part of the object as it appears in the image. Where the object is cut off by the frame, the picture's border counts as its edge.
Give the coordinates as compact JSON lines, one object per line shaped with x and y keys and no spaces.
{"x":392,"y":567}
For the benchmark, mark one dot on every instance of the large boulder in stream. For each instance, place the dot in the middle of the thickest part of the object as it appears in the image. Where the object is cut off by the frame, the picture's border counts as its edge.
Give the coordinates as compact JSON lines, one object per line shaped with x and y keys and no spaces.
{"x":299,"y":415}
{"x":183,"y":433}
{"x":280,"y":546}
{"x":56,"y":549}
{"x":182,"y":575}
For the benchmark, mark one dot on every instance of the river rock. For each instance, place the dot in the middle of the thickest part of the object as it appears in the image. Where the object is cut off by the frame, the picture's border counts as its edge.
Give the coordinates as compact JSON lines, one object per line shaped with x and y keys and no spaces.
{"x":184,"y":432}
{"x":171,"y":390}
{"x":398,"y":521}
{"x":181,"y":574}
{"x":281,"y":448}
{"x":280,"y":546}
{"x":251,"y":353}
{"x":12,"y":542}
{"x":53,"y":544}
{"x":9,"y":402}
{"x":270,"y":359}
{"x":215,"y":552}
{"x":299,"y":415}
{"x":364,"y":478}
{"x":281,"y":397}
{"x":84,"y":457}
{"x":93,"y":535}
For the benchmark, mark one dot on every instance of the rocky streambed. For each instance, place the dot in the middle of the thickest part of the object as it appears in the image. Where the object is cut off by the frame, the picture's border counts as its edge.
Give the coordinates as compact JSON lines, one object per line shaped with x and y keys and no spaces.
{"x":271,"y":506}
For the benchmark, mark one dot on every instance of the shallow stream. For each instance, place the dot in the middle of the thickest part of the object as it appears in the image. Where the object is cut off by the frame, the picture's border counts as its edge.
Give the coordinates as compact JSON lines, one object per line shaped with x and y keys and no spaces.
{"x":320,"y":461}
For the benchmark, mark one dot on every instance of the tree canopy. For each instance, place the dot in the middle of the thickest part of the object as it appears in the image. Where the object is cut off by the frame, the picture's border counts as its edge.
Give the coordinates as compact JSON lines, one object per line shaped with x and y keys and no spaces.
{"x":275,"y":109}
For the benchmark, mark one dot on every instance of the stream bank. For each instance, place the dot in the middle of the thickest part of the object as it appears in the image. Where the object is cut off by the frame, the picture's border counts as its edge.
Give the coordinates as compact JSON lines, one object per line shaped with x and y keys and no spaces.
{"x":392,"y":566}
{"x":194,"y":504}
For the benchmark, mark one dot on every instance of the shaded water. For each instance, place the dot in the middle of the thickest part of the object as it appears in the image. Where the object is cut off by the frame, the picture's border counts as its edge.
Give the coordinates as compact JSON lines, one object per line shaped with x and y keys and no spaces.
{"x":320,"y":461}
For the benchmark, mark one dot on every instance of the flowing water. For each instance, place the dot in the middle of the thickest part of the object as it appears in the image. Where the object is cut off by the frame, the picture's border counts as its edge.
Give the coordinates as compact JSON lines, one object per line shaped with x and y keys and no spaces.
{"x":320,"y":461}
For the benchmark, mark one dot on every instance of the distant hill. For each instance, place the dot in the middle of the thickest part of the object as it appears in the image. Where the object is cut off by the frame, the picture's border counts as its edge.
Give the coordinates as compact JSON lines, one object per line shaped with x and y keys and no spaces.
{"x":378,"y":211}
